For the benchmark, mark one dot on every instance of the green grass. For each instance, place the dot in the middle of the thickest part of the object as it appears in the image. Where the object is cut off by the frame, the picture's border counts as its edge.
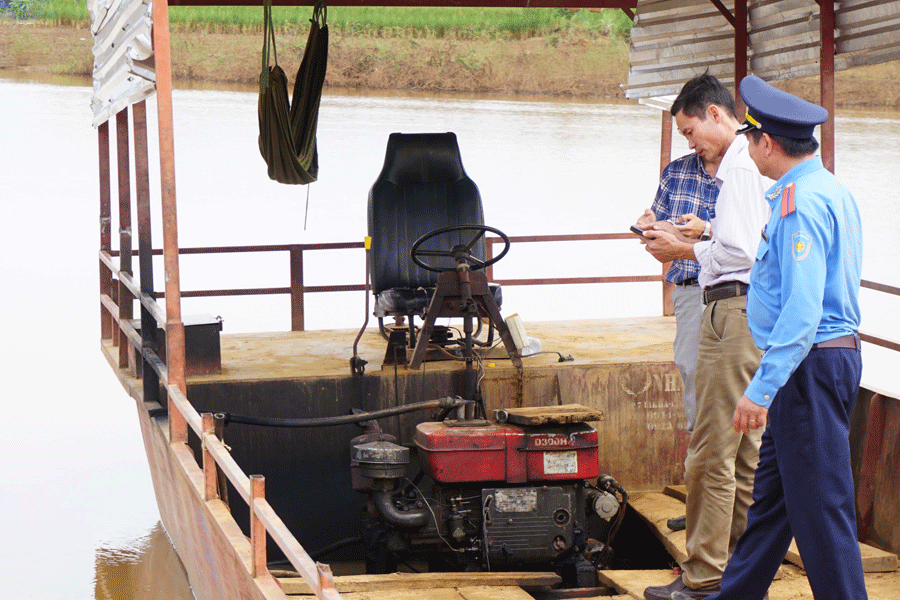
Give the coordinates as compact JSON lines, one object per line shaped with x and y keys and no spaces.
{"x":465,"y":23}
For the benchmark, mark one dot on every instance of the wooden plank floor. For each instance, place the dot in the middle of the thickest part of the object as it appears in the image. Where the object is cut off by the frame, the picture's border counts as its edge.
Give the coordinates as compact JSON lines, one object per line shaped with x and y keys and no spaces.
{"x":433,"y":586}
{"x":882,"y":576}
{"x":314,"y":354}
{"x":791,"y":585}
{"x":657,"y":508}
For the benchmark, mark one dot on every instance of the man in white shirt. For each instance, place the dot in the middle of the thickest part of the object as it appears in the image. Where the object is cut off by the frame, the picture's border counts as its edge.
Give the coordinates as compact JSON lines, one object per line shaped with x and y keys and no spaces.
{"x":720,"y":462}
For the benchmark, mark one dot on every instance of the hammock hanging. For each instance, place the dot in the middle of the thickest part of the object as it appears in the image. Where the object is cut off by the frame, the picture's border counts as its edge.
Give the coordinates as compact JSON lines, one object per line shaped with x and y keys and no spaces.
{"x":287,"y":132}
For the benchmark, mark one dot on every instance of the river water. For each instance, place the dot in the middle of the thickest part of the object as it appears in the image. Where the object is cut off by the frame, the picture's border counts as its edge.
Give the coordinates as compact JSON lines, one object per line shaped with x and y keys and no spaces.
{"x":77,"y":510}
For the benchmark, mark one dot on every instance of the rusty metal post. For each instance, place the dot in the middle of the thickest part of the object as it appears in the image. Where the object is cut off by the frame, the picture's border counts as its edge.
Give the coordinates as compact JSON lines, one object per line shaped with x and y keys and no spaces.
{"x":826,"y":80}
{"x":106,"y":320}
{"x":145,"y":248}
{"x":210,"y":470}
{"x":488,"y":256}
{"x":740,"y":53}
{"x":665,"y":157}
{"x":124,"y":179}
{"x":297,"y":289}
{"x":220,"y":474}
{"x":257,"y":529}
{"x":175,"y":358}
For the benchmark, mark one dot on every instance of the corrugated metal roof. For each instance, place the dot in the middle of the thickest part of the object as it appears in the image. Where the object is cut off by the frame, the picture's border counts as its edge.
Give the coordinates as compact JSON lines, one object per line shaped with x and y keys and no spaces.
{"x":124,"y":70}
{"x":673,"y":40}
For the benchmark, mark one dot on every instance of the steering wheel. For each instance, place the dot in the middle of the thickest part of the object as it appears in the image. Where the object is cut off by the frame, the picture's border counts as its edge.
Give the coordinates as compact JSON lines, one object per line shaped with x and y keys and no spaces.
{"x":461,"y":253}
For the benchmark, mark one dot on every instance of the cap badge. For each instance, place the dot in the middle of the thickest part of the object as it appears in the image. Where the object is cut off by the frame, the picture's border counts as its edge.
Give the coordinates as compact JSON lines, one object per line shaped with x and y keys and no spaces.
{"x":752,"y":121}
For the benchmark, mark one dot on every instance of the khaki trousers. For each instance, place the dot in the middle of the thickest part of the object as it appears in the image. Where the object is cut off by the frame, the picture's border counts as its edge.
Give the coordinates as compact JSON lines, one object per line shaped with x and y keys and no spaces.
{"x":720,"y":463}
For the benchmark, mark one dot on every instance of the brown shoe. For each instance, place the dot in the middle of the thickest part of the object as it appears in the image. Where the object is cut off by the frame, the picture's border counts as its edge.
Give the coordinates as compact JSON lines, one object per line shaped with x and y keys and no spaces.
{"x":694,"y":594}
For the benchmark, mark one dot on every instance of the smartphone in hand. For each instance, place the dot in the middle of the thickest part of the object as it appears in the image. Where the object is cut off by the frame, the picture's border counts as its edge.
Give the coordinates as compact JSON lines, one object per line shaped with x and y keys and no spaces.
{"x":637,"y":230}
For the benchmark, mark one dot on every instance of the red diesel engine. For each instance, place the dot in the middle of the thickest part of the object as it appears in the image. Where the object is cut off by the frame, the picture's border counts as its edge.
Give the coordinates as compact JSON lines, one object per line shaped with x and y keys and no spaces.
{"x":492,"y":496}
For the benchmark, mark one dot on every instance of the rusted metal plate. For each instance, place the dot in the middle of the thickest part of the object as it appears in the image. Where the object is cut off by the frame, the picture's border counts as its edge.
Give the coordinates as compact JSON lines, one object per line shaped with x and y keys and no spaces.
{"x":215,"y":551}
{"x":875,"y":454}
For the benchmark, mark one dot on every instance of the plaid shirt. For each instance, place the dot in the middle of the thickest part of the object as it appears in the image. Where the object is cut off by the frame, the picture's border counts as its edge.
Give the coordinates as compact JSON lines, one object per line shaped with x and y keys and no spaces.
{"x":685,"y":187}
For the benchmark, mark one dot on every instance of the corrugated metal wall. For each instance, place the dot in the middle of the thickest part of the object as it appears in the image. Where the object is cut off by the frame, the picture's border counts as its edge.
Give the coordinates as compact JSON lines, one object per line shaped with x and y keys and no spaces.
{"x":673,"y":40}
{"x":124,"y":70}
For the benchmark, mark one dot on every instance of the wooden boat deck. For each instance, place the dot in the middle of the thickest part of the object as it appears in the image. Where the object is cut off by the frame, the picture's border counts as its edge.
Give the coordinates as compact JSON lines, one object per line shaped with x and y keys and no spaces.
{"x":324,"y":354}
{"x":623,"y":368}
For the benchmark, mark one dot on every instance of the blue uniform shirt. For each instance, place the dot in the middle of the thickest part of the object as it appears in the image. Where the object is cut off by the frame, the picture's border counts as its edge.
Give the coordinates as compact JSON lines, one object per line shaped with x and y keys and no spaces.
{"x":804,"y":286}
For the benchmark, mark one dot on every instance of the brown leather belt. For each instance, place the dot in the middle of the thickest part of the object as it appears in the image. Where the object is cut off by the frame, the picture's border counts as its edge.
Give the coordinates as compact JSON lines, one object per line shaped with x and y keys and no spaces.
{"x":721,"y":291}
{"x":845,"y":341}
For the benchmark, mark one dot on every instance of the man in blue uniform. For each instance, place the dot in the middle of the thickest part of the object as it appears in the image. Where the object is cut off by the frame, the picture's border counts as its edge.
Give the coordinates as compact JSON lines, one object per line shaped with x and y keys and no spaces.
{"x":803,"y":310}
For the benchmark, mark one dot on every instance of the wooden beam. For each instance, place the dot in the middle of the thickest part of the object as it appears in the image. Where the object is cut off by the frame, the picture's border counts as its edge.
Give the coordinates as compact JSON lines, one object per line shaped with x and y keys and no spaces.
{"x":873,"y":559}
{"x":426,"y":581}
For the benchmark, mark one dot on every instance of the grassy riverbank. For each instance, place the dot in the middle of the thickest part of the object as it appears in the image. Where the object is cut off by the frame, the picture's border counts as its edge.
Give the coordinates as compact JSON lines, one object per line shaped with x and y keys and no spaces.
{"x":529,"y":51}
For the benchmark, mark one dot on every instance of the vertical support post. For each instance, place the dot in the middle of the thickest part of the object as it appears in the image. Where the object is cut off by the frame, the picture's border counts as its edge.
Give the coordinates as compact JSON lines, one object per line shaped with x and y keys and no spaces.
{"x":175,"y":358}
{"x":297,"y":289}
{"x":740,"y":52}
{"x":145,"y":247}
{"x":665,"y":157}
{"x":124,"y":178}
{"x":210,"y":471}
{"x":257,"y":529}
{"x":106,"y":320}
{"x":826,"y":79}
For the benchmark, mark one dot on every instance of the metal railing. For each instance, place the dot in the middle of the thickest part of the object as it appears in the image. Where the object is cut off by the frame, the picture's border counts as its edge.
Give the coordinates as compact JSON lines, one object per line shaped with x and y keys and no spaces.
{"x":118,"y":290}
{"x":297,"y":287}
{"x":874,"y":339}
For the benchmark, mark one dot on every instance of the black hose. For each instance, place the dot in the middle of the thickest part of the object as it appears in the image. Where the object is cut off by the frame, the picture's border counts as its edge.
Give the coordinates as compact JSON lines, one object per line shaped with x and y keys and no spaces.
{"x":339,"y":545}
{"x":344,"y":419}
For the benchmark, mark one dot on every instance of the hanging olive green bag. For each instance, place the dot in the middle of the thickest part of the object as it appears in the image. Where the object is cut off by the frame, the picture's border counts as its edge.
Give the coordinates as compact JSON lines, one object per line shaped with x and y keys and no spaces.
{"x":287,"y":131}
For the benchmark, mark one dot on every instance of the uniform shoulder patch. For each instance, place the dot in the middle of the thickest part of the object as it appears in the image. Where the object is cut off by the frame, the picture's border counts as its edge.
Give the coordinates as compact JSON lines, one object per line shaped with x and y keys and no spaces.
{"x":787,"y":200}
{"x":800,"y":244}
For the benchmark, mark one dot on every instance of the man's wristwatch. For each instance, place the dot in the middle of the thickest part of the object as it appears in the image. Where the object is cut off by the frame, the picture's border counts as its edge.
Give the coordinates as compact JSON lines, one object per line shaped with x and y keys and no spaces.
{"x":706,"y":232}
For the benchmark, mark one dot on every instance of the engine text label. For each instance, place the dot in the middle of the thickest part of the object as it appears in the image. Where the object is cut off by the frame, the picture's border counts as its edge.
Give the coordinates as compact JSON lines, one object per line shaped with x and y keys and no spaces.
{"x":560,"y":463}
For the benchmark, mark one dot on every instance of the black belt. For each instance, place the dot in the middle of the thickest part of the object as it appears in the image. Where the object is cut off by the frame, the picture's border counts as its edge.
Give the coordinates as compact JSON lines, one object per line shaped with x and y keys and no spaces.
{"x":845,"y":341}
{"x":687,"y":282}
{"x":720,"y":291}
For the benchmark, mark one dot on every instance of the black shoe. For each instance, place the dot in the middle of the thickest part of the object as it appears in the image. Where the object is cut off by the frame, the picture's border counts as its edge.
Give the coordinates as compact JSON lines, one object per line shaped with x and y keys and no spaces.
{"x":677,"y":524}
{"x":664,"y":592}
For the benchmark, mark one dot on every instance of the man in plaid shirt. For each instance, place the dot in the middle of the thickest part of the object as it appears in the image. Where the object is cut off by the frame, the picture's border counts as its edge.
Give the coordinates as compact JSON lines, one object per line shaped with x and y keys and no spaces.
{"x":686,"y":196}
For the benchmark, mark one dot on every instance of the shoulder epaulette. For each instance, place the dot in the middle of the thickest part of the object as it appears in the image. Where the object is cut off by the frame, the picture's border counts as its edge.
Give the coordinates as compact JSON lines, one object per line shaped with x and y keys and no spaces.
{"x":787,"y":200}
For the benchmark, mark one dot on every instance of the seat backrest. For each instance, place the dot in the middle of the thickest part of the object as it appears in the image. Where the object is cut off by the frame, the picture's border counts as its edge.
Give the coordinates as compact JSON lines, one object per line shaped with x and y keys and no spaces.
{"x":422,"y":187}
